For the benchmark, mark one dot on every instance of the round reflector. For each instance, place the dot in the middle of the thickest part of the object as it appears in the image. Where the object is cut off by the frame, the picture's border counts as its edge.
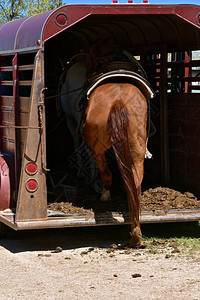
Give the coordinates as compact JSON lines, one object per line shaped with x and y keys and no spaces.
{"x":61,"y":19}
{"x":198,"y":19}
{"x":31,"y":168}
{"x":31,"y":185}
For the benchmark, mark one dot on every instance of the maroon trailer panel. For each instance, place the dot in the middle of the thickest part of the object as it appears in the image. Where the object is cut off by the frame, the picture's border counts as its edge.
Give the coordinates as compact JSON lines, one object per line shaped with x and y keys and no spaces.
{"x":4,"y":185}
{"x":76,"y":13}
{"x":23,"y":33}
{"x":29,"y":33}
{"x":73,"y":15}
{"x":8,"y":44}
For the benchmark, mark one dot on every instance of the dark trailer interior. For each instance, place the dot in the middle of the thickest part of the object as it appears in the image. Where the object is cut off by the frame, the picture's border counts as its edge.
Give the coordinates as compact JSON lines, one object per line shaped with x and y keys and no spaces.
{"x":166,"y":41}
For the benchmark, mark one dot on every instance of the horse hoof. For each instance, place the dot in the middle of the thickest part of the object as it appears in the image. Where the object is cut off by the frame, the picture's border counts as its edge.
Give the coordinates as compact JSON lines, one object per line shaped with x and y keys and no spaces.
{"x":105,"y":197}
{"x":135,"y":244}
{"x":136,"y":238}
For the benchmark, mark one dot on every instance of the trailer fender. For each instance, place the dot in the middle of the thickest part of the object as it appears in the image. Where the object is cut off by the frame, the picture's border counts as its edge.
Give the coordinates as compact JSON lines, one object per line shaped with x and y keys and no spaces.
{"x":5,"y":184}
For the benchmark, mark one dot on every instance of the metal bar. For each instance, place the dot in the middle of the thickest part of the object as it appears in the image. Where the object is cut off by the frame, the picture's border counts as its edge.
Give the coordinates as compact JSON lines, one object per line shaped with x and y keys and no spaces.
{"x":23,"y":50}
{"x":8,"y":220}
{"x":6,"y":69}
{"x":7,"y":108}
{"x":16,"y":117}
{"x":20,"y":127}
{"x":9,"y":140}
{"x":25,"y":82}
{"x":60,"y":220}
{"x":26,"y":67}
{"x":187,"y":70}
{"x":7,"y":82}
{"x":165,"y":168}
{"x":186,"y":79}
{"x":7,"y":99}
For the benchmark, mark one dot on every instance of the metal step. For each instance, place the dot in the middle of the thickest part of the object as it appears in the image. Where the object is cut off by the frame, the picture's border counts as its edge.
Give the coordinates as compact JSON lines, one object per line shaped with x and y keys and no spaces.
{"x":57,"y":219}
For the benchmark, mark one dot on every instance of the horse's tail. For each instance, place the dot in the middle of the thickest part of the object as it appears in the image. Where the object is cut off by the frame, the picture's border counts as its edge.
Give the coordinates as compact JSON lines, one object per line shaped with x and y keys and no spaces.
{"x":118,"y":122}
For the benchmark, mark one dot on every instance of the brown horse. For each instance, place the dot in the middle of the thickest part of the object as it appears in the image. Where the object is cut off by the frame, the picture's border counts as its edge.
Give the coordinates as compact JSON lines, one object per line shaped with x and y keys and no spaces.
{"x":116,"y":116}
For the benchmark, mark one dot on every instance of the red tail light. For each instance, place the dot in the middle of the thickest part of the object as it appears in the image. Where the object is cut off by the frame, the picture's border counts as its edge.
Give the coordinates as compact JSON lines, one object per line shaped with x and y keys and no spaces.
{"x":31,"y":168}
{"x":31,"y":185}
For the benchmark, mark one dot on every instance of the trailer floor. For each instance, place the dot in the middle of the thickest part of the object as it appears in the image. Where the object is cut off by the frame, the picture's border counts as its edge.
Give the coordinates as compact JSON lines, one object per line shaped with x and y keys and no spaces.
{"x":56,"y":219}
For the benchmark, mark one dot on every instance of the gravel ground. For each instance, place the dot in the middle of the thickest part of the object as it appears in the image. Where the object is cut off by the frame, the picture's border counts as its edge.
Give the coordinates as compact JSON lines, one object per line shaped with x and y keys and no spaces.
{"x":88,"y":263}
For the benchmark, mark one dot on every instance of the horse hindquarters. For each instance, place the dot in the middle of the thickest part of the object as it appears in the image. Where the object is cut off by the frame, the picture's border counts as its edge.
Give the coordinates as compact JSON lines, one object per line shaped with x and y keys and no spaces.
{"x":118,"y":123}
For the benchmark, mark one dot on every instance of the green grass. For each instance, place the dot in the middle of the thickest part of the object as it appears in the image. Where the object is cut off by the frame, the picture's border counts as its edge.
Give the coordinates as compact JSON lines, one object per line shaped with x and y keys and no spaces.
{"x":183,"y":238}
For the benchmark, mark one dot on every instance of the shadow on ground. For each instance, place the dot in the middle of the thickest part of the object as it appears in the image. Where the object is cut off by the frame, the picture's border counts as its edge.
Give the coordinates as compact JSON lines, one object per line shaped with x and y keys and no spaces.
{"x":104,"y":236}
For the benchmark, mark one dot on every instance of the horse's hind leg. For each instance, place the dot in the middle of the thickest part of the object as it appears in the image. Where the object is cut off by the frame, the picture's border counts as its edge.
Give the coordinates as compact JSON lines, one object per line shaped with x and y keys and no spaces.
{"x":136,"y":234}
{"x":105,"y":175}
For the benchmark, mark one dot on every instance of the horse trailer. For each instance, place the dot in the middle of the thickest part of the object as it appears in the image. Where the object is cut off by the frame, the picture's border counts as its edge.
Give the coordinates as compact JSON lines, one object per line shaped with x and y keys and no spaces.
{"x":34,"y":140}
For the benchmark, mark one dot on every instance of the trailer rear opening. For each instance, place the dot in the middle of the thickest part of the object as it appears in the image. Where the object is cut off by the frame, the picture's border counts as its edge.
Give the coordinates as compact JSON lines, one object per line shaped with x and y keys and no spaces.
{"x":34,"y":138}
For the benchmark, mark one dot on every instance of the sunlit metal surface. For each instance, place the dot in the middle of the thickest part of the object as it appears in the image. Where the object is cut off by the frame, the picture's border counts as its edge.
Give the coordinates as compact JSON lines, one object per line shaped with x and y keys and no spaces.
{"x":59,"y":220}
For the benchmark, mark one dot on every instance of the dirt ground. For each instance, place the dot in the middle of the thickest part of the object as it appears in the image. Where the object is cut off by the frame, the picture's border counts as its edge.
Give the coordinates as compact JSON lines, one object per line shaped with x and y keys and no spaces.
{"x":94,"y":263}
{"x":159,"y":198}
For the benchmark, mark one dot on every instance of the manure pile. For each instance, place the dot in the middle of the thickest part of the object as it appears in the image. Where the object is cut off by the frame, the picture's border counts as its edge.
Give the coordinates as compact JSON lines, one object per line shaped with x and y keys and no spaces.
{"x":159,"y":198}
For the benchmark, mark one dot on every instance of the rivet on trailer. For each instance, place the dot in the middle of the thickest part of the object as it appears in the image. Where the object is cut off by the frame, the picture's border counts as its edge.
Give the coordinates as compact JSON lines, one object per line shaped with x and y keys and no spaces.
{"x":164,"y":37}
